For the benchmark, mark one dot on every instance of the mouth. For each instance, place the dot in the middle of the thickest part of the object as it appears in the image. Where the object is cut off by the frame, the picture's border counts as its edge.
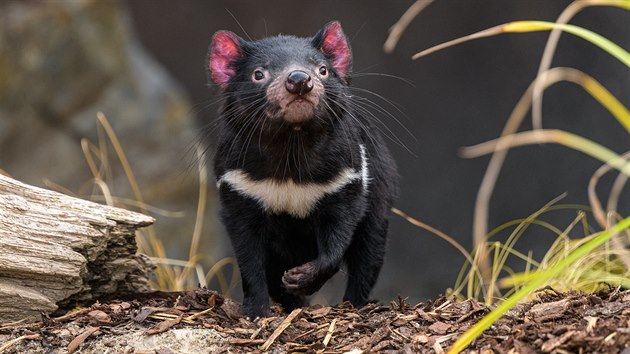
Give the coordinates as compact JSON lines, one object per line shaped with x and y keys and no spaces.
{"x":298,"y":110}
{"x":299,"y":101}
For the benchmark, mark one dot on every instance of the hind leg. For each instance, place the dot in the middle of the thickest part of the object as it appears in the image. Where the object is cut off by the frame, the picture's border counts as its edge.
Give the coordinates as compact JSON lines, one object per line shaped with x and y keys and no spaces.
{"x":277,"y":291}
{"x":364,"y":259}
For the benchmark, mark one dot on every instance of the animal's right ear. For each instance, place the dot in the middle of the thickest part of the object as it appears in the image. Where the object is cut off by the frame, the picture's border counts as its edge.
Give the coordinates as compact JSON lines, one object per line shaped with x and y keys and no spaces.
{"x":225,"y":50}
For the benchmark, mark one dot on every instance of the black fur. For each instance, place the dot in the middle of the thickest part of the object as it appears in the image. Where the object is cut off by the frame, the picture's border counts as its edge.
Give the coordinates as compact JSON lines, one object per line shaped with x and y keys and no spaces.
{"x":284,"y":256}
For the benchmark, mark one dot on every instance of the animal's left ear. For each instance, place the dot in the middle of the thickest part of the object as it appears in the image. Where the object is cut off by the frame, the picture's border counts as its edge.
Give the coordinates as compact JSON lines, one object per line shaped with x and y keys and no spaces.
{"x":333,"y":43}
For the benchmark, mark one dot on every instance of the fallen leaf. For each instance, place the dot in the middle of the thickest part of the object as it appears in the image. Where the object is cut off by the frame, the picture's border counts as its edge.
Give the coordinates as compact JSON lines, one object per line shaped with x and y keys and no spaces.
{"x":163,"y":326}
{"x":78,"y":340}
{"x":144,"y":313}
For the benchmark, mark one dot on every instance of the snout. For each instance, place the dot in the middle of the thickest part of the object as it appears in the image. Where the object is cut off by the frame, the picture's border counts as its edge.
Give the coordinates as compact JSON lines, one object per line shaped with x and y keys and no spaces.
{"x":296,"y":93}
{"x":299,"y":82}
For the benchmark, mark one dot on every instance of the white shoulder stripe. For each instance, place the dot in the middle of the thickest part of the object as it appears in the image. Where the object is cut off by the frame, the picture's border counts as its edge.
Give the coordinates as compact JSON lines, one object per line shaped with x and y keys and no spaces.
{"x":365,"y":173}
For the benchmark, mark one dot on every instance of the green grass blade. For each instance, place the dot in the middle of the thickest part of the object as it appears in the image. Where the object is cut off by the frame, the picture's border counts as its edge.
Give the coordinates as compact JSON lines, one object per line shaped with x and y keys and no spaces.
{"x":536,"y":283}
{"x":536,"y":26}
{"x":599,"y":40}
{"x":608,"y":100}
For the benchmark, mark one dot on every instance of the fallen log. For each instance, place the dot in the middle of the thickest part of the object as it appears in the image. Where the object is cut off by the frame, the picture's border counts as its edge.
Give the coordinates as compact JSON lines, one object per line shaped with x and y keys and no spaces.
{"x":56,"y":250}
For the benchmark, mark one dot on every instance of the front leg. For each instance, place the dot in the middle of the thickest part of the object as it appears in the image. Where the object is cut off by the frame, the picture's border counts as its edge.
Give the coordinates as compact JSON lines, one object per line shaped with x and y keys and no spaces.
{"x":247,"y":237}
{"x":250,"y":256}
{"x":336,"y":222}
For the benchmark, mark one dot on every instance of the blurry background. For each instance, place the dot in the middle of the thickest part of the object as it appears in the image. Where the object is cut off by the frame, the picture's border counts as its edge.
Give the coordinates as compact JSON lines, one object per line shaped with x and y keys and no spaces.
{"x":142,"y":63}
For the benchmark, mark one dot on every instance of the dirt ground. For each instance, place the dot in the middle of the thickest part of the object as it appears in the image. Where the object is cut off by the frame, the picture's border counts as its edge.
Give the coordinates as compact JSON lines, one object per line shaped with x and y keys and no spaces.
{"x":202,"y":321}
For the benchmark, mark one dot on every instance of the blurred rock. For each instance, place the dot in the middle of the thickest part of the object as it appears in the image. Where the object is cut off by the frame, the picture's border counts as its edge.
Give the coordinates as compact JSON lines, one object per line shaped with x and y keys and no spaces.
{"x":61,"y":62}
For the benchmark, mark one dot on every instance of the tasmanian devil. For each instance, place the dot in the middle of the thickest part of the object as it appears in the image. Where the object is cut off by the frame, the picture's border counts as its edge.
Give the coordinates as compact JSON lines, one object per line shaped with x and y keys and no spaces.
{"x":305,"y":180}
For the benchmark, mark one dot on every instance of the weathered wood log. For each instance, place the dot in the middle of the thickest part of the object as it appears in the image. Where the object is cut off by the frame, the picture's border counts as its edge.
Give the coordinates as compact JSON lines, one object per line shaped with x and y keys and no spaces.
{"x":56,"y":250}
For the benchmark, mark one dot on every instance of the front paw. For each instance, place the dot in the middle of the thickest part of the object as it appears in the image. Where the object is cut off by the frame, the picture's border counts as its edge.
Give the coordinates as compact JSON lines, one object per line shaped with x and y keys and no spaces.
{"x":304,"y":280}
{"x":253,"y":309}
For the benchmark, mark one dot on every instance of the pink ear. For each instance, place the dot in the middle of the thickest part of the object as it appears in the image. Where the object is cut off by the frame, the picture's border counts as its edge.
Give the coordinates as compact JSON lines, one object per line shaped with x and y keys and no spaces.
{"x":226,"y":48}
{"x":333,"y":43}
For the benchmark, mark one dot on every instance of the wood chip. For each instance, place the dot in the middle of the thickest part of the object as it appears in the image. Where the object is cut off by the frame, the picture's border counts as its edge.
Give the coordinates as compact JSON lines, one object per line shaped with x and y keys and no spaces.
{"x":297,"y":347}
{"x":330,"y":332}
{"x":256,"y":332}
{"x":231,"y":308}
{"x":286,"y":323}
{"x":554,"y":343}
{"x":438,"y":348}
{"x":445,"y":338}
{"x":263,"y":324}
{"x":244,"y":331}
{"x":425,"y":316}
{"x":363,"y":341}
{"x":522,"y":348}
{"x":444,"y":306}
{"x":118,"y":308}
{"x":549,"y":310}
{"x":78,"y":340}
{"x":421,"y":338}
{"x":382,"y":345}
{"x":246,"y":341}
{"x":71,"y":314}
{"x":440,"y":327}
{"x":379,"y":335}
{"x":192,"y":317}
{"x":597,"y":327}
{"x":592,"y":321}
{"x":610,"y":337}
{"x":320,"y":312}
{"x":399,"y":334}
{"x":8,"y":344}
{"x":469,"y":314}
{"x":100,"y":316}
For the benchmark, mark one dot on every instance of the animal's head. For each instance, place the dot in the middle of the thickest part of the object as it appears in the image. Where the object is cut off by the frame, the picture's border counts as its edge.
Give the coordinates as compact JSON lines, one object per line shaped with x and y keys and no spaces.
{"x":285,"y":78}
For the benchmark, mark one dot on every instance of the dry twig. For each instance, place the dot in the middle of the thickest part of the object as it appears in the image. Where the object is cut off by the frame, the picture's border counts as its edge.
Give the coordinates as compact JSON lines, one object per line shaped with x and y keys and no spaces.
{"x":287,"y":321}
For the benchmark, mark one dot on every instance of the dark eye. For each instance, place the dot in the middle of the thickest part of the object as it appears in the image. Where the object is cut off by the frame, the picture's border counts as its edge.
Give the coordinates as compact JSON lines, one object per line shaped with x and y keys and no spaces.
{"x":323,"y":71}
{"x":258,"y":75}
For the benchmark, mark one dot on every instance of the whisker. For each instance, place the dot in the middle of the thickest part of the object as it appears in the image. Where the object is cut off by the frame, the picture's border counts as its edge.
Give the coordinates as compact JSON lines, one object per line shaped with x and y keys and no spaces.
{"x":363,"y":74}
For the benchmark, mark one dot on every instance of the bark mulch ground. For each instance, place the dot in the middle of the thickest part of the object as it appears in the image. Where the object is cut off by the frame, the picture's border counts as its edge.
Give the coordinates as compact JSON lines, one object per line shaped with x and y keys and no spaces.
{"x":555,"y":323}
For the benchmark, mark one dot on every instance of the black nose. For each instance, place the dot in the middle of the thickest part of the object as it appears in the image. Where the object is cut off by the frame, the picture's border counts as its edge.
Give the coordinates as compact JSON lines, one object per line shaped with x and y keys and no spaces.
{"x":299,"y":82}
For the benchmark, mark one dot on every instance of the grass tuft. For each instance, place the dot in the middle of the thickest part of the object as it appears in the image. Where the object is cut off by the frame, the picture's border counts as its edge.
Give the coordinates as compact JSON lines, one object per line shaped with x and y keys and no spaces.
{"x":598,"y":259}
{"x":540,"y":278}
{"x":170,"y":274}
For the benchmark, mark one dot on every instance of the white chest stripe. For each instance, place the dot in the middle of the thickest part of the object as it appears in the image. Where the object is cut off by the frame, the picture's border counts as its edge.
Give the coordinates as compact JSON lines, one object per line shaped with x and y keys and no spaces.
{"x":290,"y":197}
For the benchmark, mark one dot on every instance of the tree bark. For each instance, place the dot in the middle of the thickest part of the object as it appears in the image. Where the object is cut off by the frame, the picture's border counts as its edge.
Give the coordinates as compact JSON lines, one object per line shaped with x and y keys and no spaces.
{"x":56,"y":250}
